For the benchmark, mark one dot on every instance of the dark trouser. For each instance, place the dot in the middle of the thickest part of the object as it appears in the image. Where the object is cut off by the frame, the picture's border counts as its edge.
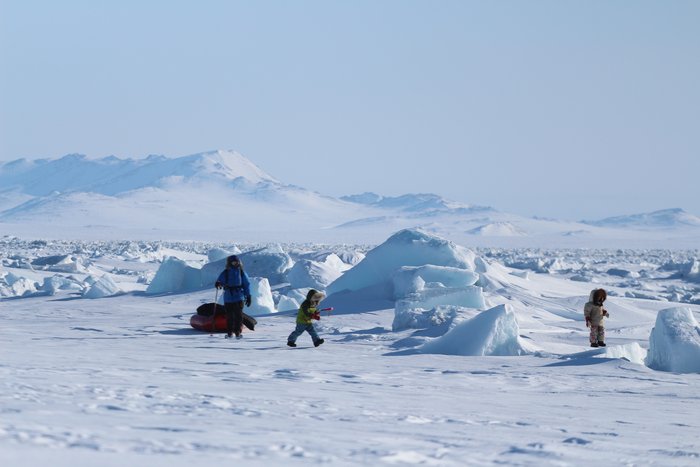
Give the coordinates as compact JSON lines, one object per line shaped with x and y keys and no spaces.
{"x":299,"y":330}
{"x":234,"y":317}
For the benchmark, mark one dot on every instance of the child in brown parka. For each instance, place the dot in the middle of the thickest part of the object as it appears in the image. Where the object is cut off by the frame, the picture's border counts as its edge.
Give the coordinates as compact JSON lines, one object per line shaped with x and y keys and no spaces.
{"x":595,"y":316}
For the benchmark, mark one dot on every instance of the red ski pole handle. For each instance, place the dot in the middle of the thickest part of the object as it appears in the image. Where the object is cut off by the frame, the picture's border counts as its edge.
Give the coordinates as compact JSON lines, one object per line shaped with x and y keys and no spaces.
{"x":330,"y":308}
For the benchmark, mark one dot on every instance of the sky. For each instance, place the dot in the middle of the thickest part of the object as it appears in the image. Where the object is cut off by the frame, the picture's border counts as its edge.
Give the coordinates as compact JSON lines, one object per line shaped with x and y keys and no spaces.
{"x":565,"y":109}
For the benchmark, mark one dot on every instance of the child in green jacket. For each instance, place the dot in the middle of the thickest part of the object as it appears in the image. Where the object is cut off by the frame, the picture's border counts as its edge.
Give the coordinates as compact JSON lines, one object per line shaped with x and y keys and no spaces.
{"x":308,"y":311}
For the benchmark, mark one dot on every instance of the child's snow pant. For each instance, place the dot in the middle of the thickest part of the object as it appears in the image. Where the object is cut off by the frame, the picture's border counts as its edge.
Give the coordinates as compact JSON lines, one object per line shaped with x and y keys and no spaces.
{"x":234,"y":317}
{"x":597,"y":334}
{"x":301,"y":327}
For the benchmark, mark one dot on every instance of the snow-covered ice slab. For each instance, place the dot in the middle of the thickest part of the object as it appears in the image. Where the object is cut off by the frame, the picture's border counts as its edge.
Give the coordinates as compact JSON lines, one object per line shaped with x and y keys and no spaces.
{"x":411,"y":279}
{"x":408,"y":247}
{"x":262,"y":302}
{"x":674,"y":343}
{"x":104,"y":287}
{"x":491,"y":332}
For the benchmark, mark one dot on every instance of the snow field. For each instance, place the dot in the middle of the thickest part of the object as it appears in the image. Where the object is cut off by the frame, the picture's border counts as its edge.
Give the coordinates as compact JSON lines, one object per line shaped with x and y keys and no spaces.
{"x":476,"y":363}
{"x":126,"y":376}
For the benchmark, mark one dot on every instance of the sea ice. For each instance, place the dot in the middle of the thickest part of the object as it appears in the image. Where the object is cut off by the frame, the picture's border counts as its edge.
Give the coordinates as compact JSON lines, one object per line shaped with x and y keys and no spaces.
{"x":406,"y":317}
{"x":175,"y":275}
{"x":314,"y":274}
{"x":411,"y":279}
{"x":271,"y":262}
{"x":262,"y":302}
{"x":467,"y":297}
{"x":491,"y":332}
{"x":56,"y":282}
{"x":287,"y":304}
{"x":16,"y":286}
{"x":408,"y":247}
{"x":104,"y":287}
{"x":674,"y":343}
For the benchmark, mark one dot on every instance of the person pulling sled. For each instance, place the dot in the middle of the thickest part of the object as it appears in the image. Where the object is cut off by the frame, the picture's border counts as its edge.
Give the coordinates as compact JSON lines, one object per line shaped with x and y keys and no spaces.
{"x":308,"y":311}
{"x":236,"y":287}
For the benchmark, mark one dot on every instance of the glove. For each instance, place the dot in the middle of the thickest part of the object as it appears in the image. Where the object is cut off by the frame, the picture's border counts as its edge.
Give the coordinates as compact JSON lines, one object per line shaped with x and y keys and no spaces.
{"x":247,"y":300}
{"x":588,"y":322}
{"x":219,"y":285}
{"x":316,"y":315}
{"x":605,"y":313}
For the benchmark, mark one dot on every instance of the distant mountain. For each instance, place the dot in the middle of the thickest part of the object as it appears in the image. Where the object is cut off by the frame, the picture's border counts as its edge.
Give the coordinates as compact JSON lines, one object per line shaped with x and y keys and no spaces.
{"x":221,"y":195}
{"x":420,"y":203}
{"x":113,"y":176}
{"x":666,"y":218}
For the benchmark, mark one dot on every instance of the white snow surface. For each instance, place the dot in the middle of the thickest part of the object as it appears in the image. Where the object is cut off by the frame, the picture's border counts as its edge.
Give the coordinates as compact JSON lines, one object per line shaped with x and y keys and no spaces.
{"x":508,"y":379}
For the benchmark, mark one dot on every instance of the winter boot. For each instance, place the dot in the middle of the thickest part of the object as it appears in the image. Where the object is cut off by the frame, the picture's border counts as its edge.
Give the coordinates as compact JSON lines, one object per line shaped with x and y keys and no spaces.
{"x":594,"y":344}
{"x":291,"y":344}
{"x":239,"y":336}
{"x":229,"y":335}
{"x":601,"y":344}
{"x":319,"y":342}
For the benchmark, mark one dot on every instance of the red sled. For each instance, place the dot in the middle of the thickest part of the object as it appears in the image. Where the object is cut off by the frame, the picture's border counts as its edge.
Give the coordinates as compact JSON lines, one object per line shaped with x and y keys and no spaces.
{"x":202,"y":321}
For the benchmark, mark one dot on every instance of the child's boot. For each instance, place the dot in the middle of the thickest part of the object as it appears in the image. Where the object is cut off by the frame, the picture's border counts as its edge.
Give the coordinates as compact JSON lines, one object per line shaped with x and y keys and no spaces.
{"x":594,"y":344}
{"x":601,"y":344}
{"x":319,"y":342}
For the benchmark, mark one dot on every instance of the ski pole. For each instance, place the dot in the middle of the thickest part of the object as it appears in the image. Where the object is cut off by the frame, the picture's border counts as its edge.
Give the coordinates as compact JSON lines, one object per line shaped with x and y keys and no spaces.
{"x":213,"y":315}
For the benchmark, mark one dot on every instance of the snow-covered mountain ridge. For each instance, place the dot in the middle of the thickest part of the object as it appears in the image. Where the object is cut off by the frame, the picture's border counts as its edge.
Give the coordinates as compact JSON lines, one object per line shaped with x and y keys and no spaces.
{"x":668,"y":218}
{"x":220,"y":195}
{"x":113,"y":176}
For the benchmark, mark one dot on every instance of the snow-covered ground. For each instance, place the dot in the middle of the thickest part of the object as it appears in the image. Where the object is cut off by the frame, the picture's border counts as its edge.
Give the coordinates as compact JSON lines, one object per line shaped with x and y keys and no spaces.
{"x":435,"y":354}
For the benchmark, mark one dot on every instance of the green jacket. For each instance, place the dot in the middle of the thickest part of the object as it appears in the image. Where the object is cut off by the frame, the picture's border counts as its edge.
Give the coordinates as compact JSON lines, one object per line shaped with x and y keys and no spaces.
{"x":304,"y":316}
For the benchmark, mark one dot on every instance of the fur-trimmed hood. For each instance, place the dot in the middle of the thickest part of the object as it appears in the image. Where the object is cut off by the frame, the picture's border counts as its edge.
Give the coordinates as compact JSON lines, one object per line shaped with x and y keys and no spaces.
{"x":600,"y":294}
{"x":315,"y":295}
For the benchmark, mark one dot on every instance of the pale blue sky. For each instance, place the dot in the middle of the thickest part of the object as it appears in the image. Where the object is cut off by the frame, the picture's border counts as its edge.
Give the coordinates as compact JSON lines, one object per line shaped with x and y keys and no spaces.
{"x":574,"y":110}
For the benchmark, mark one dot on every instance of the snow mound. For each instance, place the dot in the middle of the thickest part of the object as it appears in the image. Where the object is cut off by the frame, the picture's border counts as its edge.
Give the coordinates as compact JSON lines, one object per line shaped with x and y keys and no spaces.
{"x":674,"y":343}
{"x":409,"y":247}
{"x":104,"y":287}
{"x":491,"y":332}
{"x":632,"y":352}
{"x":314,"y":274}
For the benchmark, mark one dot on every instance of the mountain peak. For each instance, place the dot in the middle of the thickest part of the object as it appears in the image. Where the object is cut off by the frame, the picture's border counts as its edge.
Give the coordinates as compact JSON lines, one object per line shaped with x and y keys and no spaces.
{"x":230,"y":165}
